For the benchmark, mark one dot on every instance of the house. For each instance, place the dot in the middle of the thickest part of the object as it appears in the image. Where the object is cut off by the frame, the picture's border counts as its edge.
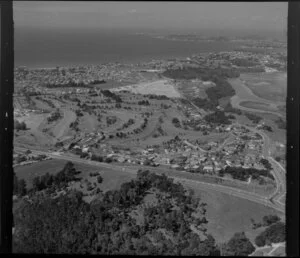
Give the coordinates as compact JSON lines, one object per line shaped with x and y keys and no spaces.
{"x":121,"y":159}
{"x":208,"y":168}
{"x":175,"y":166}
{"x":228,"y":162}
{"x":85,"y":150}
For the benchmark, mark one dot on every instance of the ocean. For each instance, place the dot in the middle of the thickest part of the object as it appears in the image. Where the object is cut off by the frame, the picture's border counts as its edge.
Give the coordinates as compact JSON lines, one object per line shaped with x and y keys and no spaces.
{"x":57,"y":47}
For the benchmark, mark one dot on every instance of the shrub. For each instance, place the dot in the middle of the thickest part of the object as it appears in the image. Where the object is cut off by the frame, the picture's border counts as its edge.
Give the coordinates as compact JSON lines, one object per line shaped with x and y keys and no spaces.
{"x":273,"y":234}
{"x":99,"y":179}
{"x":92,"y":174}
{"x":239,"y":245}
{"x":254,"y":118}
{"x":218,"y":117}
{"x":176,"y":122}
{"x":270,"y":219}
{"x":20,"y":125}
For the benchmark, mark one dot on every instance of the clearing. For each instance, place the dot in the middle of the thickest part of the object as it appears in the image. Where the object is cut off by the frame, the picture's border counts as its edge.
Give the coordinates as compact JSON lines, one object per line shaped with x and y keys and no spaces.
{"x":159,"y":87}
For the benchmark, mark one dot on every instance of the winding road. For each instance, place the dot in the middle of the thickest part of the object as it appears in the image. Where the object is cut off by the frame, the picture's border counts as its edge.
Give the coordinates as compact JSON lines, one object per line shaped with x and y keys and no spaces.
{"x":274,"y":200}
{"x":204,"y":185}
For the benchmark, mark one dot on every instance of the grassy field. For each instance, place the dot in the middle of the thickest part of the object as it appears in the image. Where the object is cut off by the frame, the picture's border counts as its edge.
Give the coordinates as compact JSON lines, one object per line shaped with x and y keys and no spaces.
{"x":257,"y":105}
{"x":112,"y":179}
{"x":280,"y":251}
{"x":262,"y":251}
{"x":269,"y":86}
{"x":63,"y":125}
{"x":228,"y":214}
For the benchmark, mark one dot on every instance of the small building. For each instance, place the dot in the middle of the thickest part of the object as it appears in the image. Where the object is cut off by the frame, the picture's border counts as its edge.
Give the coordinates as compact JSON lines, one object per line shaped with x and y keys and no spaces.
{"x":85,"y":150}
{"x":208,"y":168}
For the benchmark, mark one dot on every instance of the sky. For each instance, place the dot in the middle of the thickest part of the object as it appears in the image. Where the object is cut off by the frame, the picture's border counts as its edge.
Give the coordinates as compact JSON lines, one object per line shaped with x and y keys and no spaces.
{"x":249,"y":17}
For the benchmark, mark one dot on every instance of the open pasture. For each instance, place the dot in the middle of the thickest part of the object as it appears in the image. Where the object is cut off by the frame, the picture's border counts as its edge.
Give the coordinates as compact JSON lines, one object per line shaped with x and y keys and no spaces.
{"x":269,"y":86}
{"x":228,"y":214}
{"x":112,"y":179}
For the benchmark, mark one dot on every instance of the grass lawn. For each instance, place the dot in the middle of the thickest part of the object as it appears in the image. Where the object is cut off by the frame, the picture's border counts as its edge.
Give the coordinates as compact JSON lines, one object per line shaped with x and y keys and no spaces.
{"x":112,"y":179}
{"x":257,"y":105}
{"x":228,"y":214}
{"x":280,"y":251}
{"x":270,"y":86}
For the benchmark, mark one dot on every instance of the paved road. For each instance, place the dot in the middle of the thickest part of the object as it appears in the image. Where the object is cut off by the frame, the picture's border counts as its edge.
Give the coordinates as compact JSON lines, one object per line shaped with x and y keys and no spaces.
{"x":216,"y":187}
{"x":278,"y":171}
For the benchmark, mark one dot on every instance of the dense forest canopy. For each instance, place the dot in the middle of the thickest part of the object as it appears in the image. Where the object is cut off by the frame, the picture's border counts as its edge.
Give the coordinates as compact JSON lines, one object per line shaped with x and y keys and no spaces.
{"x":219,"y":76}
{"x":119,"y":221}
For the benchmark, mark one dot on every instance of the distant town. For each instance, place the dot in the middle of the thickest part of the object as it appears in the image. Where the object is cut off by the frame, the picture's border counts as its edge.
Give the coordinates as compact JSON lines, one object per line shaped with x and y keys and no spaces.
{"x":202,"y":119}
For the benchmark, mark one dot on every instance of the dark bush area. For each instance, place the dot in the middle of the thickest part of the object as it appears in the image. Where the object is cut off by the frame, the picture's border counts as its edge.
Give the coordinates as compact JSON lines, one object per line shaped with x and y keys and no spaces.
{"x":254,"y":118}
{"x":97,"y":158}
{"x":144,"y":102}
{"x":54,"y":116}
{"x":243,"y":174}
{"x":157,"y":97}
{"x":19,"y":126}
{"x":204,"y":103}
{"x":228,"y":108}
{"x":128,"y":123}
{"x":111,"y":95}
{"x":176,"y":122}
{"x":221,"y":90}
{"x":67,"y":224}
{"x":92,"y":174}
{"x":273,"y":234}
{"x":281,"y":124}
{"x":99,"y":179}
{"x":270,"y":219}
{"x":267,"y":128}
{"x":60,"y":180}
{"x":218,"y":76}
{"x":218,"y":117}
{"x":266,"y":164}
{"x":19,"y":186}
{"x":110,"y":120}
{"x":238,"y":245}
{"x":244,"y":62}
{"x":70,"y":84}
{"x":78,"y":112}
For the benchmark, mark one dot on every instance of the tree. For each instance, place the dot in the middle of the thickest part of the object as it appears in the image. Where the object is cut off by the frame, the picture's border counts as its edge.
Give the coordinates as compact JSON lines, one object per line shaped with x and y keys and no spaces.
{"x":270,"y":219}
{"x":99,"y":179}
{"x":273,"y":234}
{"x":22,"y":187}
{"x":278,"y":159}
{"x":20,"y":125}
{"x":36,"y":183}
{"x":238,"y":245}
{"x":176,"y":122}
